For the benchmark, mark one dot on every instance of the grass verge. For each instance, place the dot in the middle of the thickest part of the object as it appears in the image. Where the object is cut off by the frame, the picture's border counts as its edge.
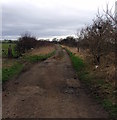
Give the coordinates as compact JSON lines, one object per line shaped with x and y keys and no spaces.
{"x":96,"y":85}
{"x":11,"y":71}
{"x":78,"y":63}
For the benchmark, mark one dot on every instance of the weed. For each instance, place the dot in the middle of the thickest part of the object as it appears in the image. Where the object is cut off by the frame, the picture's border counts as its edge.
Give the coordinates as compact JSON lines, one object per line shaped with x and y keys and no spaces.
{"x":112,"y":108}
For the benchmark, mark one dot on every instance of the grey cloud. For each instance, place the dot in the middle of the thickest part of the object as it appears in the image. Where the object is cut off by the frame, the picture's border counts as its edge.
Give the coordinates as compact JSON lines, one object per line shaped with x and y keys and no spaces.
{"x":42,"y":22}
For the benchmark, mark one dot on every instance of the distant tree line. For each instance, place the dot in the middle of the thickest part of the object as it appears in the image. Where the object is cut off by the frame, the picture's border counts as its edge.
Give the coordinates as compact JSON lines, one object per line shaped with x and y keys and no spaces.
{"x":69,"y":41}
{"x":8,"y":41}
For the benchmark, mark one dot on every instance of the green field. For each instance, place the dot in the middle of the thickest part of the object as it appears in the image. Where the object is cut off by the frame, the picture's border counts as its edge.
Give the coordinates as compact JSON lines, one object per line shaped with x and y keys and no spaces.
{"x":5,"y":48}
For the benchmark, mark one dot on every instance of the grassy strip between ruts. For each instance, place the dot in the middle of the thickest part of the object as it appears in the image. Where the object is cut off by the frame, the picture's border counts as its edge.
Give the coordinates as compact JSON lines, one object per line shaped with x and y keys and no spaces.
{"x":84,"y":75}
{"x":37,"y":58}
{"x":16,"y":68}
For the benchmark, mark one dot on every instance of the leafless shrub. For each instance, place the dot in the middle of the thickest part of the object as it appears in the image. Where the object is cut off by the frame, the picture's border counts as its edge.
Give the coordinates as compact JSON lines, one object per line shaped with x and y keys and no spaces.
{"x":98,"y":37}
{"x":25,"y":42}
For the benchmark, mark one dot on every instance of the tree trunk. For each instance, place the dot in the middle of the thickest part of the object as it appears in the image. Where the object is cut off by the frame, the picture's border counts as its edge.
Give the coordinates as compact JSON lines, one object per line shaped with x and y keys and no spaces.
{"x":78,"y":49}
{"x":96,"y":60}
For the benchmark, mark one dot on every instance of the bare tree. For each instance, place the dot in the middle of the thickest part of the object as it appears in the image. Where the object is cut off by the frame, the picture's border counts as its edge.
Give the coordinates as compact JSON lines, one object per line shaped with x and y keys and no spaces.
{"x":98,"y":37}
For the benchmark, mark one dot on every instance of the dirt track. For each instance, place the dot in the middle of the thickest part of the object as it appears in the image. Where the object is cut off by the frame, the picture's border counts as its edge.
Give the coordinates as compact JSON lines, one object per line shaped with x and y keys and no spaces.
{"x":49,"y":89}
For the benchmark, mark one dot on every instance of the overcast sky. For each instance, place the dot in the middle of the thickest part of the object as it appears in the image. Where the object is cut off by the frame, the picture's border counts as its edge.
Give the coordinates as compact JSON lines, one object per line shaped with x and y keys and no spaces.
{"x":48,"y":18}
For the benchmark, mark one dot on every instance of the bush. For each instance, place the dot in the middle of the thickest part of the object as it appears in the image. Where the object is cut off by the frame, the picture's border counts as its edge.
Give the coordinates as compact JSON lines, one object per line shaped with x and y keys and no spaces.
{"x":26,"y":42}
